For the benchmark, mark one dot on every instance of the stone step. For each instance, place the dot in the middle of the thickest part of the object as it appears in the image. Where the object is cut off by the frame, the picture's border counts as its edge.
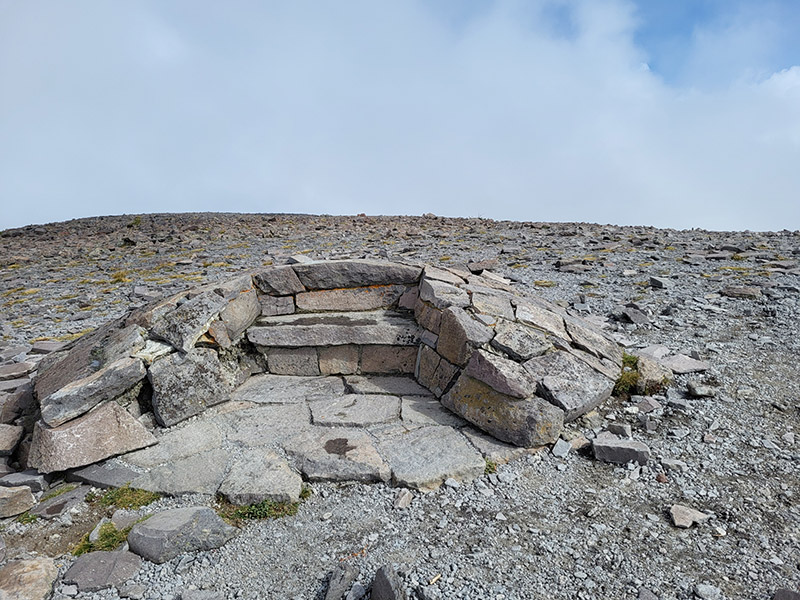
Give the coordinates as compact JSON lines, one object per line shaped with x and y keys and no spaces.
{"x":335,"y":329}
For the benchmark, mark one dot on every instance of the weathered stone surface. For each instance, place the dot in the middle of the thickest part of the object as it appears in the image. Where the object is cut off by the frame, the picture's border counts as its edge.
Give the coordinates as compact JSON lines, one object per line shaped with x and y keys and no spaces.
{"x":80,"y":396}
{"x":199,"y":473}
{"x":427,"y":316}
{"x":592,"y":341}
{"x":186,"y":384}
{"x":86,"y":355}
{"x":106,"y":431}
{"x":219,"y":334}
{"x":431,"y":272}
{"x":153,"y":350}
{"x":10,"y":435}
{"x":527,"y":423}
{"x":61,"y":503}
{"x":350,"y":299}
{"x":171,"y":532}
{"x":610,"y":448}
{"x":433,"y":371}
{"x":541,"y":318}
{"x":681,"y":364}
{"x":100,"y":570}
{"x":47,"y":346}
{"x":459,"y":334}
{"x":183,"y":325}
{"x":285,"y":389}
{"x":425,"y":457}
{"x":273,"y":306}
{"x":12,"y":385}
{"x":180,"y":442}
{"x":337,"y":454}
{"x":398,"y":386}
{"x":493,"y":304}
{"x":388,"y":359}
{"x":104,"y":475}
{"x":502,"y":375}
{"x":334,"y":329}
{"x":490,"y":447}
{"x":355,"y":410}
{"x":328,"y":275}
{"x":387,"y":585}
{"x":265,"y":424}
{"x":785,"y":594}
{"x":15,"y":500}
{"x":293,"y":361}
{"x":652,"y":375}
{"x":518,"y":341}
{"x":441,"y":295}
{"x":338,"y":360}
{"x":569,"y":383}
{"x":341,"y":580}
{"x":20,"y":402}
{"x":740,"y":291}
{"x":241,"y":312}
{"x":258,"y":475}
{"x":15,"y":370}
{"x":278,"y":281}
{"x":30,"y":579}
{"x":684,"y":517}
{"x":424,"y":410}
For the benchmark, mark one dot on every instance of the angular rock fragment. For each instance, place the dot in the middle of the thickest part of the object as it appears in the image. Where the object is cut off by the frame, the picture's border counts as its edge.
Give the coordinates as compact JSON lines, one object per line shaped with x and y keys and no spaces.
{"x":183,"y":325}
{"x":30,"y":579}
{"x":107,"y":431}
{"x":610,"y":448}
{"x":100,"y":570}
{"x":433,"y":371}
{"x":684,"y":516}
{"x":278,"y":281}
{"x":459,"y":334}
{"x":442,"y":295}
{"x":501,"y":374}
{"x":682,"y":364}
{"x":350,"y":299}
{"x":518,"y":341}
{"x":171,"y":532}
{"x":15,"y":500}
{"x":10,"y":435}
{"x":328,"y":275}
{"x":387,"y":585}
{"x":258,"y":475}
{"x":541,"y":318}
{"x":240,"y":312}
{"x":273,"y":306}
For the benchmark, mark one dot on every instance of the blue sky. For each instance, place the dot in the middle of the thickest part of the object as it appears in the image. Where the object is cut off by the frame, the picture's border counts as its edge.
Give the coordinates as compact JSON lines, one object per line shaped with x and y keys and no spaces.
{"x":673,"y":113}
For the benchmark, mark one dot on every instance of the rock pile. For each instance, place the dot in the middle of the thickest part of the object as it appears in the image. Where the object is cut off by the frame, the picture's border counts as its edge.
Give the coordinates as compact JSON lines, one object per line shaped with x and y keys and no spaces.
{"x":516,"y":367}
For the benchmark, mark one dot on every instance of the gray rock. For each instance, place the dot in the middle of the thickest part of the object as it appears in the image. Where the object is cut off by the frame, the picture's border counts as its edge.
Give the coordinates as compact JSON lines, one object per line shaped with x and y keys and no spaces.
{"x":387,"y":585}
{"x":541,"y":317}
{"x":491,"y":448}
{"x":442,"y":295}
{"x":459,"y":334}
{"x":653,"y":376}
{"x":388,"y":359}
{"x":569,"y":383}
{"x":433,"y":371}
{"x":609,"y":448}
{"x":282,"y":389}
{"x":265,"y":424}
{"x":273,"y":306}
{"x":698,"y":390}
{"x":502,"y":375}
{"x":15,"y":370}
{"x":171,"y":532}
{"x":200,"y":473}
{"x":424,"y":410}
{"x":341,"y":580}
{"x":30,"y":479}
{"x":81,"y":395}
{"x":258,"y":475}
{"x":561,"y":448}
{"x":334,"y":329}
{"x":62,"y":503}
{"x":15,"y":500}
{"x":427,"y":316}
{"x":186,"y":384}
{"x":431,"y":272}
{"x":338,"y":454}
{"x":328,"y":275}
{"x":593,"y":341}
{"x":682,"y":364}
{"x":30,"y":579}
{"x":519,"y":341}
{"x":350,"y":299}
{"x":183,"y":325}
{"x":425,"y":457}
{"x":660,"y":283}
{"x":302,"y":362}
{"x":338,"y":360}
{"x":398,"y":386}
{"x":100,"y":570}
{"x":104,"y":432}
{"x":740,"y":291}
{"x":134,"y":591}
{"x":527,"y":423}
{"x":785,"y":594}
{"x":10,"y":435}
{"x":705,"y":591}
{"x":684,"y":516}
{"x":241,"y":311}
{"x":177,"y":443}
{"x":201,"y":595}
{"x":355,"y":410}
{"x":278,"y":281}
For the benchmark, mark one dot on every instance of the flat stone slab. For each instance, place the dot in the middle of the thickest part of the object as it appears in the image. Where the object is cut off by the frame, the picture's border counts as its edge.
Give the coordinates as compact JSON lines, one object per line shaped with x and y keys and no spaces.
{"x":104,"y":475}
{"x":331,"y":274}
{"x":491,"y":448}
{"x":337,"y":454}
{"x":355,"y":410}
{"x":265,"y":425}
{"x":30,"y":579}
{"x":169,"y":533}
{"x":286,"y":389}
{"x":423,"y":458}
{"x":681,"y":364}
{"x":200,"y":473}
{"x":398,"y":386}
{"x":15,"y":500}
{"x":425,"y":410}
{"x":610,"y":448}
{"x":350,"y":299}
{"x":58,"y":505}
{"x":258,"y":475}
{"x":100,"y":570}
{"x":334,"y":329}
{"x":177,"y":443}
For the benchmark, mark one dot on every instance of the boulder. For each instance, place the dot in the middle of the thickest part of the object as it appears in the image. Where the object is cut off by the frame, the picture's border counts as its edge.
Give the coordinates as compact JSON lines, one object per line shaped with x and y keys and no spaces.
{"x":527,"y":423}
{"x":610,"y":448}
{"x":186,"y":384}
{"x":183,"y":325}
{"x":442,"y":295}
{"x":328,"y":275}
{"x":169,"y":533}
{"x":30,"y":579}
{"x":241,"y":311}
{"x":81,"y":395}
{"x":103,"y":432}
{"x":15,"y":500}
{"x":97,"y":571}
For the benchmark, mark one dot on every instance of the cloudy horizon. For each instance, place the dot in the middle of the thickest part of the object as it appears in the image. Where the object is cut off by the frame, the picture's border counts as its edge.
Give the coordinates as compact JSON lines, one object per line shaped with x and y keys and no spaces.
{"x":673,"y":114}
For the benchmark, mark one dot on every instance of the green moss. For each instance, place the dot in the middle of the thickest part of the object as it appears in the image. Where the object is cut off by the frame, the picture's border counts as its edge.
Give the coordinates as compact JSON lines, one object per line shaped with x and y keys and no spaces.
{"x":626,"y":384}
{"x":125,"y":497}
{"x":491,"y":467}
{"x":58,"y":491}
{"x":544,"y":283}
{"x":109,"y":538}
{"x":266,"y":509}
{"x":27,"y":518}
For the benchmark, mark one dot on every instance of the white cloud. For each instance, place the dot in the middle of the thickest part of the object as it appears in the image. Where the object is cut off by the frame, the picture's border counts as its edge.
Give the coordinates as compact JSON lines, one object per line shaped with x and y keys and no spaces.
{"x":384,"y":108}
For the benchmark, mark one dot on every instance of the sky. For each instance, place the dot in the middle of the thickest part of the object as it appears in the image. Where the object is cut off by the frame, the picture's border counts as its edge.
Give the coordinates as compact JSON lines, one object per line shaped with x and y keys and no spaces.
{"x":671,"y":113}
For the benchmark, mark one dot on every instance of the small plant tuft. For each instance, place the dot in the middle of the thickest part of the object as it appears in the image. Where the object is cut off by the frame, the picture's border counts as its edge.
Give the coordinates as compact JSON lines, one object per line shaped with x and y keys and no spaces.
{"x":125,"y":497}
{"x":109,"y":538}
{"x":491,"y":467}
{"x":27,"y":518}
{"x":626,"y":384}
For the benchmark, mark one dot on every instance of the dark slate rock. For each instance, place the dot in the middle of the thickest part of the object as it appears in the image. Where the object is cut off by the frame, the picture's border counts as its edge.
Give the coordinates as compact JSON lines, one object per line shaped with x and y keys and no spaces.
{"x":100,"y":570}
{"x":327,"y":275}
{"x":609,"y":448}
{"x":341,"y":580}
{"x":104,"y":475}
{"x":58,"y":505}
{"x":387,"y":585}
{"x":186,"y":384}
{"x":171,"y":532}
{"x":278,"y":281}
{"x":30,"y":478}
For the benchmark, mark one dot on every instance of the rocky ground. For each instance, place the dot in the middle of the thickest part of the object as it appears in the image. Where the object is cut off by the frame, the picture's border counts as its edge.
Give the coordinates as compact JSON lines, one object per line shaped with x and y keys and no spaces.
{"x":542,"y":526}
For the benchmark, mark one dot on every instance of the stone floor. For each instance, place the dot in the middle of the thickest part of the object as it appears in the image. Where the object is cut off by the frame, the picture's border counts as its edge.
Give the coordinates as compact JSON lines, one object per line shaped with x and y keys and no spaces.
{"x":277,"y":431}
